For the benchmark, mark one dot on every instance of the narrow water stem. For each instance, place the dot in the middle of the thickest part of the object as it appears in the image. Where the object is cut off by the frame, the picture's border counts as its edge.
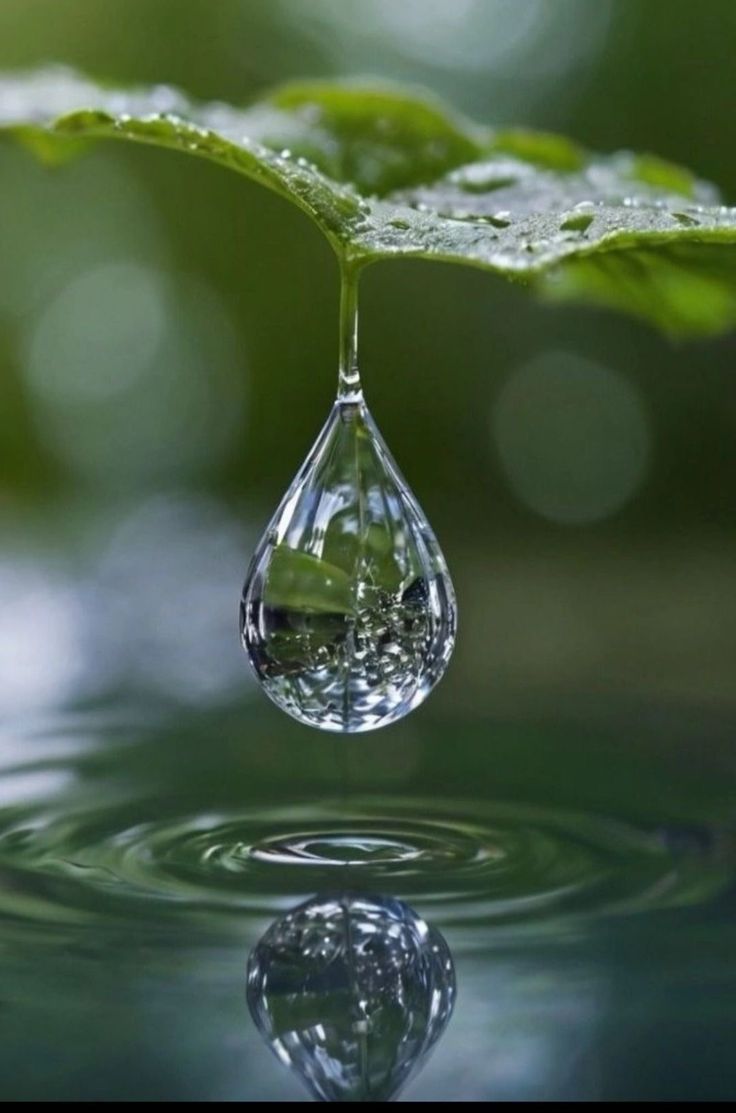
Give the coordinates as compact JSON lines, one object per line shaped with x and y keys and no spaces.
{"x":348,"y":386}
{"x":343,"y":769}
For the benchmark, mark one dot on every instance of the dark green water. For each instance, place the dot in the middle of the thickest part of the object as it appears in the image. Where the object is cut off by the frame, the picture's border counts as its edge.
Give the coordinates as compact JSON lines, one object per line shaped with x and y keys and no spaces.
{"x":580,"y":870}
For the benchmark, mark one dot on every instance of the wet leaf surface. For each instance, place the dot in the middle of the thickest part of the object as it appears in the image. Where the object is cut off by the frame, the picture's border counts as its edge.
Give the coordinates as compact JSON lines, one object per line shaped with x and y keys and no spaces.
{"x":386,"y":173}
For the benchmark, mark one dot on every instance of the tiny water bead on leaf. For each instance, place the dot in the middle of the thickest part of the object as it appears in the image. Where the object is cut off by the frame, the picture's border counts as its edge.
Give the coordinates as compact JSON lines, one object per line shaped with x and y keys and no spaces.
{"x":352,"y":992}
{"x":348,"y":612}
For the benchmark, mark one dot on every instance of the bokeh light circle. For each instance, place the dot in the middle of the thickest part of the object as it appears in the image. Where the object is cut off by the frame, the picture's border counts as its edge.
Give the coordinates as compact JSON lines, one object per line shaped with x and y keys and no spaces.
{"x":572,"y":437}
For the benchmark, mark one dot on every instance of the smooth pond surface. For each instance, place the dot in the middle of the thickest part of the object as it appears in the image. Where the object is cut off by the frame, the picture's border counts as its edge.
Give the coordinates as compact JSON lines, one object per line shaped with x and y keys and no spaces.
{"x":578,"y":870}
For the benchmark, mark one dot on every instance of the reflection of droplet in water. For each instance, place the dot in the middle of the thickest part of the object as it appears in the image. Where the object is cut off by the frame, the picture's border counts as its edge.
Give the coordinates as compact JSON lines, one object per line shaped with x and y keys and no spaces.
{"x":348,"y":612}
{"x":573,"y":438}
{"x":352,"y":992}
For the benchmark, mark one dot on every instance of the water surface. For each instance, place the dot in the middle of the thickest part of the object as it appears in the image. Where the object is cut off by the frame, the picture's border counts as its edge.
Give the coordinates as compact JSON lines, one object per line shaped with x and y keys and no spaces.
{"x":579,"y":870}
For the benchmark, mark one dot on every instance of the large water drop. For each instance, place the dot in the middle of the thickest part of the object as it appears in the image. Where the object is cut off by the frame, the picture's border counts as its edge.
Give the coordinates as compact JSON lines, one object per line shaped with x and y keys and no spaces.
{"x":352,"y":992}
{"x":348,"y":612}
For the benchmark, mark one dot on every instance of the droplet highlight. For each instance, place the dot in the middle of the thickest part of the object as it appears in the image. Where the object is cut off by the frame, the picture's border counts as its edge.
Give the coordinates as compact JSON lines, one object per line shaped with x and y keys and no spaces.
{"x":348,"y":612}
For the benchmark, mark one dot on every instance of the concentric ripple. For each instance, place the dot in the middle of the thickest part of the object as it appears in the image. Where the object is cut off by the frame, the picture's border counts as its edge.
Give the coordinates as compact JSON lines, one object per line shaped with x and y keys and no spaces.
{"x":473,"y":860}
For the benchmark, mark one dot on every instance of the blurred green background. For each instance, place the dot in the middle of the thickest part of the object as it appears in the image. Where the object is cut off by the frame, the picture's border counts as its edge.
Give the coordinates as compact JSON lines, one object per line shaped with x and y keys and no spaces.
{"x":168,"y":352}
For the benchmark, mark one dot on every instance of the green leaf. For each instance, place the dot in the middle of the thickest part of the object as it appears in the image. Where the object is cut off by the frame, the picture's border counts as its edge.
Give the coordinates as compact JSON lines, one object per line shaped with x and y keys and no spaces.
{"x":300,"y":582}
{"x":385,"y":173}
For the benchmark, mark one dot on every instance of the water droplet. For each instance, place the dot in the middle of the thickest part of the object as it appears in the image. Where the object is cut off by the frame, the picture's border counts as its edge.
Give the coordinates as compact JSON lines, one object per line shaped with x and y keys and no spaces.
{"x":501,"y":219}
{"x":348,"y":612}
{"x":579,"y":222}
{"x":683,"y":218}
{"x":352,"y":992}
{"x":485,"y":183}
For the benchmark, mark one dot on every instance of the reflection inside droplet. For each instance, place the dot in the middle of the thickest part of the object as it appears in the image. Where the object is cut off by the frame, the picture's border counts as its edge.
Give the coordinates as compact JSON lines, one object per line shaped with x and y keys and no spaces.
{"x":351,"y":992}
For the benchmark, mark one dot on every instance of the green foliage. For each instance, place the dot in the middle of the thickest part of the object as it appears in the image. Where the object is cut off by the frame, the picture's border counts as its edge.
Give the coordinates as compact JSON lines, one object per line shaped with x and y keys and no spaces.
{"x":384,"y":173}
{"x":300,"y":582}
